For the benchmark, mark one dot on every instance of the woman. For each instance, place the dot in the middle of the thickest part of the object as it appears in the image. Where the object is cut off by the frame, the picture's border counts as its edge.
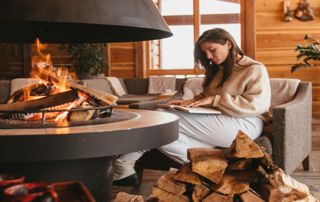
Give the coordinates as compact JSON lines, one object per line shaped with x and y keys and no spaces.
{"x":235,"y":84}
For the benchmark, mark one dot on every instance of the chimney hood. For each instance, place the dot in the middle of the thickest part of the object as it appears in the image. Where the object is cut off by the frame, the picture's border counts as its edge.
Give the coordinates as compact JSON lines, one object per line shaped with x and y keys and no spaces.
{"x":80,"y":21}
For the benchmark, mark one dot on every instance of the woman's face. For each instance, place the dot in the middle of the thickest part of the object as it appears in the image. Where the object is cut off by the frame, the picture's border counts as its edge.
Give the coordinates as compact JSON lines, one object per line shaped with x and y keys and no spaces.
{"x":216,"y":52}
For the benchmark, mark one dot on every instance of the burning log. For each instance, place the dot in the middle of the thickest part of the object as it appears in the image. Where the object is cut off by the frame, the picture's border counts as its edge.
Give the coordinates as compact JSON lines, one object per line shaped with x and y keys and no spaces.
{"x":104,"y":98}
{"x":43,"y":103}
{"x":35,"y":90}
{"x":82,"y":115}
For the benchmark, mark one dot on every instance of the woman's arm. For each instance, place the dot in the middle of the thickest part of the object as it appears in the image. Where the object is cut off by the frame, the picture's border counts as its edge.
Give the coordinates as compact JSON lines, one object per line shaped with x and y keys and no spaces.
{"x":255,"y":100}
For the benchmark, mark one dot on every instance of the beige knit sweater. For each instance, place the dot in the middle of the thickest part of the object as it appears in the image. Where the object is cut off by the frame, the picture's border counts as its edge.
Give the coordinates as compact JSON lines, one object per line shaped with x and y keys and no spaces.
{"x":246,"y":92}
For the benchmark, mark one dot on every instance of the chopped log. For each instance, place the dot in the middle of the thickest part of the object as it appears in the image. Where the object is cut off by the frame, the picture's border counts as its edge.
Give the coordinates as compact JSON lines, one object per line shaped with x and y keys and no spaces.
{"x":43,"y":103}
{"x":267,"y":163}
{"x":244,"y":147}
{"x":199,"y":192}
{"x":250,"y":196}
{"x":218,"y":197}
{"x":248,"y":176}
{"x":195,"y":154}
{"x":269,"y":193}
{"x":241,"y":164}
{"x":289,"y":186}
{"x":165,"y":196}
{"x":124,"y":197}
{"x":207,"y":162}
{"x":185,"y":174}
{"x":231,"y":185}
{"x":168,"y":183}
{"x":82,"y":115}
{"x":104,"y":98}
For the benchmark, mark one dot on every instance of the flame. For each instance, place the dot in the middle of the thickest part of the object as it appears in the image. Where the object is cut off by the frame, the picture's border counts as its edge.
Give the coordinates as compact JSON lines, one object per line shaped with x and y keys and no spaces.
{"x":44,"y":70}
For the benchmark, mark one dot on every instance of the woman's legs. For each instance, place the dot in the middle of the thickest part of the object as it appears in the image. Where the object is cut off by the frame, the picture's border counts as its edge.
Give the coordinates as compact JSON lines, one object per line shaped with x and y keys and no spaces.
{"x":202,"y":130}
{"x":195,"y":130}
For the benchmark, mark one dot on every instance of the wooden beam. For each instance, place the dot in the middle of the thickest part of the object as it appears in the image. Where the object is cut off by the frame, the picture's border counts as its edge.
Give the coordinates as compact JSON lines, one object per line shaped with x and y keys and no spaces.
{"x":205,"y":19}
{"x":248,"y":28}
{"x":196,"y":20}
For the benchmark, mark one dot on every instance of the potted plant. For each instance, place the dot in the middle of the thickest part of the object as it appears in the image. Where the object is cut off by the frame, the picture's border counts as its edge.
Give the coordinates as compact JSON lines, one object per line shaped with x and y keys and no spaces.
{"x":90,"y":59}
{"x":310,"y":54}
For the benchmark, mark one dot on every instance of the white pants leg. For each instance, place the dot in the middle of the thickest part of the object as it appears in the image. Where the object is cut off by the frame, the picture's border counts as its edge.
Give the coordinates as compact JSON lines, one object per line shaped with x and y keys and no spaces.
{"x":204,"y":130}
{"x":196,"y":130}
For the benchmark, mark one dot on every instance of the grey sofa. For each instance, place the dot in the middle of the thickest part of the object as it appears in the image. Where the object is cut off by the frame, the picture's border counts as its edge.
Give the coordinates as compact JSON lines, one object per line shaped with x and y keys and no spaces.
{"x":136,"y":89}
{"x":289,"y":137}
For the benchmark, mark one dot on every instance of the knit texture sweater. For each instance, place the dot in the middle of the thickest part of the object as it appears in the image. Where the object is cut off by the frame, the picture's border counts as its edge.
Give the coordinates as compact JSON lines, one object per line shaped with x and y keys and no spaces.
{"x":245,"y":93}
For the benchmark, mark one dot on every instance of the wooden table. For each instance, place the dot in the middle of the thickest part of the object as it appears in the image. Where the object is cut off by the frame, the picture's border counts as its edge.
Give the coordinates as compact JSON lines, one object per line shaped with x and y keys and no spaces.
{"x":84,"y":153}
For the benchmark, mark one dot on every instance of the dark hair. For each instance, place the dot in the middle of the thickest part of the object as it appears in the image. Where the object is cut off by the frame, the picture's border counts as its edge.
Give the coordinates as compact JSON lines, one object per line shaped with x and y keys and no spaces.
{"x":221,"y":36}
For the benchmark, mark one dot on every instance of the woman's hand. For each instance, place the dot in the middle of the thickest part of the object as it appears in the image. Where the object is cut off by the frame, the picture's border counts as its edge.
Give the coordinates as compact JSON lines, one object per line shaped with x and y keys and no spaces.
{"x":181,"y":102}
{"x":207,"y":101}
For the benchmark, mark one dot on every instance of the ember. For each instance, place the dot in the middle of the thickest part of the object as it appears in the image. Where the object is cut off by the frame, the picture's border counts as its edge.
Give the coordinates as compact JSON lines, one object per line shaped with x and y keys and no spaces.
{"x":54,"y":96}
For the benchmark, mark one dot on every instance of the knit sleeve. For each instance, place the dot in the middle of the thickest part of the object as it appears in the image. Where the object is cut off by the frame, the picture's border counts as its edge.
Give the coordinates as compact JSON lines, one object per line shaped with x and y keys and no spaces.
{"x":254,"y":101}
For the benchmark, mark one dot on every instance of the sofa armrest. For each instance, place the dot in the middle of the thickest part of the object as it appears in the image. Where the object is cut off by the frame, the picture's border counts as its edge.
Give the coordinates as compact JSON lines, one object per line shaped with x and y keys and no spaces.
{"x":292,"y":129}
{"x":153,"y":104}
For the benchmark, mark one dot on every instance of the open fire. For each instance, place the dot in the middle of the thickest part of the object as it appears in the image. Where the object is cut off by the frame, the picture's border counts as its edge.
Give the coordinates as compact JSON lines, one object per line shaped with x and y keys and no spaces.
{"x":56,"y":97}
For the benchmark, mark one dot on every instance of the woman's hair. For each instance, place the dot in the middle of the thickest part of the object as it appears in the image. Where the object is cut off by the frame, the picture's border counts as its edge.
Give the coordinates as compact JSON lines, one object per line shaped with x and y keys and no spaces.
{"x":221,"y":36}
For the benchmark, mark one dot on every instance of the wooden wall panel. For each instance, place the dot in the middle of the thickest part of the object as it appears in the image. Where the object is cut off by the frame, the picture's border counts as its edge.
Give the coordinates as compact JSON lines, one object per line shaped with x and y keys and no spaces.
{"x":122,"y":59}
{"x":277,"y":39}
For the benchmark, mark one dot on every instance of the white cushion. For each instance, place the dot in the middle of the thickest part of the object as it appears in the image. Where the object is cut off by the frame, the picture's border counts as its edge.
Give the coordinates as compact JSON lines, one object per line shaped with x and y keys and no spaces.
{"x":161,"y":84}
{"x":99,"y":84}
{"x":283,"y":90}
{"x":117,"y":87}
{"x":192,"y":87}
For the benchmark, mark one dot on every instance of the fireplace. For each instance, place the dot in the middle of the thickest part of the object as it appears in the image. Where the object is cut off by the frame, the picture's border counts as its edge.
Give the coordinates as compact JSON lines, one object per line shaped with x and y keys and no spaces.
{"x":79,"y":151}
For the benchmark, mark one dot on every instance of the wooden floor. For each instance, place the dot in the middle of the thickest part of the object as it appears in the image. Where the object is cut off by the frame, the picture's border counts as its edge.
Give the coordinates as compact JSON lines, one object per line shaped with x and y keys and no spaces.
{"x":310,"y":178}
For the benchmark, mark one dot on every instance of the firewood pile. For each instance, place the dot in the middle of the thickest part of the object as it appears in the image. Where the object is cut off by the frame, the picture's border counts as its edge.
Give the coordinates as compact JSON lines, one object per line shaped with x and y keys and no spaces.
{"x":243,"y":173}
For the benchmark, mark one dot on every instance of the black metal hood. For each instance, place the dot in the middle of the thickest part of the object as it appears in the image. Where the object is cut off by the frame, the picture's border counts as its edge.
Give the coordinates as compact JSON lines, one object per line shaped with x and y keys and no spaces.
{"x":78,"y":21}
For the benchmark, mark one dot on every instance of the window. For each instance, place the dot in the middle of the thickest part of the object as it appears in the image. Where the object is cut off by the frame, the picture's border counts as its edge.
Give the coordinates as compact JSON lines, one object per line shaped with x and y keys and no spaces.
{"x":174,"y":55}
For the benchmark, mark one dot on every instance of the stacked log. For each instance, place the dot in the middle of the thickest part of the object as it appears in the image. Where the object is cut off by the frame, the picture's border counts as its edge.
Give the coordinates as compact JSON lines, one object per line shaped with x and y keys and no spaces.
{"x":244,"y":173}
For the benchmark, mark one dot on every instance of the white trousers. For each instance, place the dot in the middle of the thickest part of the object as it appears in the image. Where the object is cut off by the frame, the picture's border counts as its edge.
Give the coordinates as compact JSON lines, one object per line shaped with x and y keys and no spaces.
{"x":204,"y":130}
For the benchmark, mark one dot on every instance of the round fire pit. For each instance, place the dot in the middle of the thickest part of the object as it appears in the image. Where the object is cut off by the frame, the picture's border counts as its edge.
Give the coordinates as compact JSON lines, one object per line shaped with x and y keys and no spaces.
{"x":84,"y":153}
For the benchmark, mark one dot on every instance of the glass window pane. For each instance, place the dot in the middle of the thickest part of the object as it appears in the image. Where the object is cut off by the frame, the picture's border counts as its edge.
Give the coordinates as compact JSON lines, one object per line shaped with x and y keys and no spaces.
{"x":218,"y":7}
{"x":233,"y":29}
{"x":176,"y":7}
{"x":177,"y":51}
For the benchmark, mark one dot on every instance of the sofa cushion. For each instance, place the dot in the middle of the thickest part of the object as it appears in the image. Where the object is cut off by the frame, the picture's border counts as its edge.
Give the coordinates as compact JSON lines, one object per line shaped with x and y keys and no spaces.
{"x":137,"y":86}
{"x":17,"y":84}
{"x":117,"y":85}
{"x":192,"y":87}
{"x":161,"y":84}
{"x":99,"y":84}
{"x":129,"y":99}
{"x":283,"y":90}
